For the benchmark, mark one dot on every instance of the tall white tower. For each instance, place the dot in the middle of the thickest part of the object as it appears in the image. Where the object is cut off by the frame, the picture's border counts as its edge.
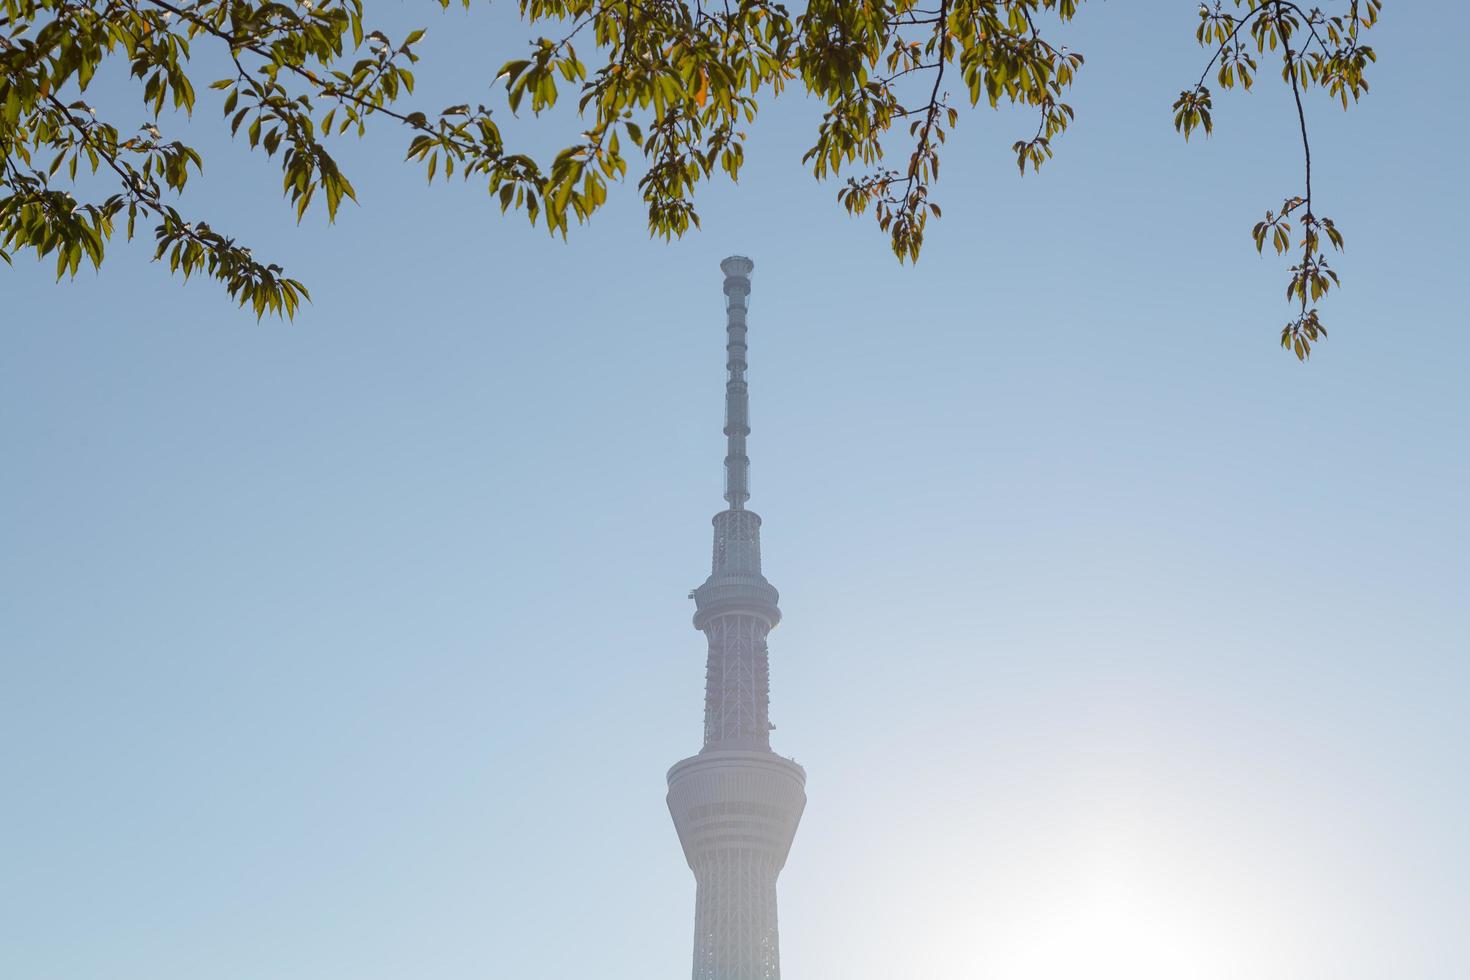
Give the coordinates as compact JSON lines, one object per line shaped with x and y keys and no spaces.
{"x":736,"y":804}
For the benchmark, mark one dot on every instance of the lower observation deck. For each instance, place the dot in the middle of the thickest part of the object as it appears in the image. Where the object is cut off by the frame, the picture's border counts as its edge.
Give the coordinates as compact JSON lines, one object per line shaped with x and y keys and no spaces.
{"x":736,"y":811}
{"x":737,"y":800}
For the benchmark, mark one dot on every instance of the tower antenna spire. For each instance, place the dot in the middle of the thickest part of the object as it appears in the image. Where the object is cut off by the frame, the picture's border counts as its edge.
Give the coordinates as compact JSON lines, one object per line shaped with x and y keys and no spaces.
{"x":737,"y":269}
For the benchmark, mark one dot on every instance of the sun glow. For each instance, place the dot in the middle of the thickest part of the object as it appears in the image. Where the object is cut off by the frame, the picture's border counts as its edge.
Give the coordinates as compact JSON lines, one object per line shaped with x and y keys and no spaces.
{"x":1135,"y":899}
{"x":1121,"y":922}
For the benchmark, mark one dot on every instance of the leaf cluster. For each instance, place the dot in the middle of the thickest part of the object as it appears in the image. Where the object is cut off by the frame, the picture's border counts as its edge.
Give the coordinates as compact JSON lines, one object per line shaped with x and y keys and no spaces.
{"x":50,"y":51}
{"x":1316,"y":50}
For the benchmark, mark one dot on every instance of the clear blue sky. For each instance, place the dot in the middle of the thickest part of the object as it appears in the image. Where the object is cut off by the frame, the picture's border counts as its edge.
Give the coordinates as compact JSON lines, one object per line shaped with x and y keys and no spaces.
{"x":1116,"y":640}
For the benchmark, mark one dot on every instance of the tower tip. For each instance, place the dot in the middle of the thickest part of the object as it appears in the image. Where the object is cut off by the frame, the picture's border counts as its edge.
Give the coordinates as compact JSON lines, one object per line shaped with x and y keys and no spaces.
{"x":737,"y":267}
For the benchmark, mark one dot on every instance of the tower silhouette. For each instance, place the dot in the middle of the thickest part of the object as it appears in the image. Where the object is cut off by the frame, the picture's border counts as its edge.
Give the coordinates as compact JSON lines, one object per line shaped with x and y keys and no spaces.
{"x":736,"y":804}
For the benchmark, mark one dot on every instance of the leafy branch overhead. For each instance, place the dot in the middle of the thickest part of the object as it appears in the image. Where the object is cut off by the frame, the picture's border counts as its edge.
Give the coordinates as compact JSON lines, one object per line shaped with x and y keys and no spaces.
{"x":665,"y":86}
{"x":1315,"y":49}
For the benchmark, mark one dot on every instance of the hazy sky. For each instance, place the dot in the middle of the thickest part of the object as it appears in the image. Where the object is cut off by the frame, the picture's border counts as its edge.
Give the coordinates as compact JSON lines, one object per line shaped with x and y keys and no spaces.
{"x":1118,"y":644}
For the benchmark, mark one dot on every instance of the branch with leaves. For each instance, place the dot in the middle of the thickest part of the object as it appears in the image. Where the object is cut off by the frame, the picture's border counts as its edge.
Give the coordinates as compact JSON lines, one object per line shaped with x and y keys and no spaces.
{"x":1315,"y":50}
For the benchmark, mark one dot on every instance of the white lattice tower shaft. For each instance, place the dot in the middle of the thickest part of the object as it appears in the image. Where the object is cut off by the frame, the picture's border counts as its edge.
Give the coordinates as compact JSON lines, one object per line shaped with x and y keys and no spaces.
{"x":736,"y":804}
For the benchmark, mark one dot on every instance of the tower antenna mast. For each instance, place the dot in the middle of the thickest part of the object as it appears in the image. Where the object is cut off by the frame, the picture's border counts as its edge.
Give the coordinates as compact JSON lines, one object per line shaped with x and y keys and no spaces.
{"x":737,"y":269}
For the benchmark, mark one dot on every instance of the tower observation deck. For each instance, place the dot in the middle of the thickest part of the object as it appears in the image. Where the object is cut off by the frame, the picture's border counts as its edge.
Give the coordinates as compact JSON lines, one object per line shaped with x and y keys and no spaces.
{"x":736,"y":804}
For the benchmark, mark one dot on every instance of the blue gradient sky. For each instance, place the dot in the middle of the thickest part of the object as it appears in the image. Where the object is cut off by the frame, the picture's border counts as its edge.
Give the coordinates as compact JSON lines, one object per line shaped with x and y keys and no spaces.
{"x":1117,"y":643}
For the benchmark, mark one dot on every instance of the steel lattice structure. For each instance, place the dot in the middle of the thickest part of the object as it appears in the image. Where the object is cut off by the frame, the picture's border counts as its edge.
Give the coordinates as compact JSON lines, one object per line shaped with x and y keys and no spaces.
{"x":736,"y":804}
